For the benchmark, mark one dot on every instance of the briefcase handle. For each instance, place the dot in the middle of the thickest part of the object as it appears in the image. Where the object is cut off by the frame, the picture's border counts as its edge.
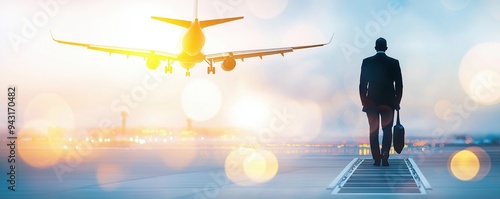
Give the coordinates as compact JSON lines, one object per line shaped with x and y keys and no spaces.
{"x":397,"y":121}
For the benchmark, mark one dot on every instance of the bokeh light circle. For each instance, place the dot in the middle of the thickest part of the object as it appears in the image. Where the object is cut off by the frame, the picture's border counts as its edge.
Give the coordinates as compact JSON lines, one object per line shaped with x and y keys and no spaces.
{"x":485,"y":87}
{"x":41,"y":144}
{"x":470,"y":164}
{"x":479,"y":73}
{"x":46,"y":117}
{"x":267,"y":9}
{"x":233,"y":166}
{"x":51,"y":108}
{"x":260,"y":166}
{"x":248,"y":166}
{"x":201,"y":100}
{"x":464,"y":165}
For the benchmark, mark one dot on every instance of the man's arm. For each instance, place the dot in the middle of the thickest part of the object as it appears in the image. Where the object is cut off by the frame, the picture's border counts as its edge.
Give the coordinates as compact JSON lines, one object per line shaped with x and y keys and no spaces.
{"x":398,"y":84}
{"x":363,"y":84}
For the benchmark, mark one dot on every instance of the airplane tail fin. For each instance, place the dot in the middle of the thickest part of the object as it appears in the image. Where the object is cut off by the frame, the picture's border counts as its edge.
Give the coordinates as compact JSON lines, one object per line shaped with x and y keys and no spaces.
{"x":213,"y":22}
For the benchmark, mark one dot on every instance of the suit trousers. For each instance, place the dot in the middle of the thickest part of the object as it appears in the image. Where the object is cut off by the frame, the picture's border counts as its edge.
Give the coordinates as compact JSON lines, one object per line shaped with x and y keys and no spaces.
{"x":381,"y":114}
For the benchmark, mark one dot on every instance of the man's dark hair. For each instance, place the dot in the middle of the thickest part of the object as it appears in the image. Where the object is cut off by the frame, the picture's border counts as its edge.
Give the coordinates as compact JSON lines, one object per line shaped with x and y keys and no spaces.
{"x":381,"y":44}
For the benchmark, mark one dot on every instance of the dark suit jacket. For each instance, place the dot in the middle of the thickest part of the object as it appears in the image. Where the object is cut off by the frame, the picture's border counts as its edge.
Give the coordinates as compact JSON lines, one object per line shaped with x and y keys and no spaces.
{"x":380,"y":82}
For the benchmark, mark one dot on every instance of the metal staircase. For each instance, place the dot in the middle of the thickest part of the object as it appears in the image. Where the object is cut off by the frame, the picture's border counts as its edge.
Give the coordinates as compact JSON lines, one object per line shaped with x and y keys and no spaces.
{"x":360,"y":177}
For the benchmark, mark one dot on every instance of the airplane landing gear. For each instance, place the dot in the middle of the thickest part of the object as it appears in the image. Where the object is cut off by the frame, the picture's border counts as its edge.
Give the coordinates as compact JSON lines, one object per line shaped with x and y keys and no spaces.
{"x":211,"y":68}
{"x":168,"y":69}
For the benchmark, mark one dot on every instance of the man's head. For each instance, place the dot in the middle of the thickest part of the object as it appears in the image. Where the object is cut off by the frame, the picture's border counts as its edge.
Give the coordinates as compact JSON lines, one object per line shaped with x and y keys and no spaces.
{"x":381,"y":44}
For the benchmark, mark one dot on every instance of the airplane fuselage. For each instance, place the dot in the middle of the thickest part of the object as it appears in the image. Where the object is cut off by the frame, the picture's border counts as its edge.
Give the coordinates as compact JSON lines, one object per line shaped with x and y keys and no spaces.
{"x":194,"y":39}
{"x":192,"y":45}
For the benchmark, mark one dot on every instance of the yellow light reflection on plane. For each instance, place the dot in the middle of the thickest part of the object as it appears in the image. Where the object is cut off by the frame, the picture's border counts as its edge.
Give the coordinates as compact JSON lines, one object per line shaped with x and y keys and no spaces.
{"x":471,"y":164}
{"x":40,"y":145}
{"x":480,"y":73}
{"x":108,"y":175}
{"x":201,"y":100}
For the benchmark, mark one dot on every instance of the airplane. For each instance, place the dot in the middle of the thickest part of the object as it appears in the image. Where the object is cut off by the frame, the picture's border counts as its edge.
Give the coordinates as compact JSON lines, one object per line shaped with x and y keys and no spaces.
{"x":192,"y":46}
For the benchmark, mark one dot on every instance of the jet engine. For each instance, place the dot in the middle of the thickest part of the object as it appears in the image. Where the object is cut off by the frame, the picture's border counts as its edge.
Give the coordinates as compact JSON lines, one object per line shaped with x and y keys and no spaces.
{"x":228,"y":64}
{"x":152,"y":63}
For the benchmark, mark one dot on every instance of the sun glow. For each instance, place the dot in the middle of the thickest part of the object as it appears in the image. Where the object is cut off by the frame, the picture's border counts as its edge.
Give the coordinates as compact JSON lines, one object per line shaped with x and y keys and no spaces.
{"x":249,"y":112}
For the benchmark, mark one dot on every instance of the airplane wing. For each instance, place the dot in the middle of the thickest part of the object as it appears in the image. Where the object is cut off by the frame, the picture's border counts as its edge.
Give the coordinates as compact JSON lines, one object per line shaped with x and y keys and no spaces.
{"x":218,"y":57}
{"x":125,"y":51}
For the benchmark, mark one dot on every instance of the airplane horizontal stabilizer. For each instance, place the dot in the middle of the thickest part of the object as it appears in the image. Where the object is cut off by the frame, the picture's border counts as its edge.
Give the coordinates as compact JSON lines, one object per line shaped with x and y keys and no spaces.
{"x":207,"y":23}
{"x":177,"y":22}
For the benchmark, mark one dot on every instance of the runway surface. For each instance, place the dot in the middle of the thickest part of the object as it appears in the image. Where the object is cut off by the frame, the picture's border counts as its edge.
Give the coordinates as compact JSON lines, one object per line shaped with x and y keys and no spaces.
{"x":159,"y":173}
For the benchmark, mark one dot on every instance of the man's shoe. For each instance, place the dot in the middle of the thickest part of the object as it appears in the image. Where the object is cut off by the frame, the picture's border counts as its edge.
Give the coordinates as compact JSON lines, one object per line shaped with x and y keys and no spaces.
{"x":377,"y":162}
{"x":385,"y":162}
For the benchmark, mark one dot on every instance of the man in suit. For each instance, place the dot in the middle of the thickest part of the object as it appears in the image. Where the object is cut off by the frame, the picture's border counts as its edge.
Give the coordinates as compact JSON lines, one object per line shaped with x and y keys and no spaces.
{"x":380,"y":90}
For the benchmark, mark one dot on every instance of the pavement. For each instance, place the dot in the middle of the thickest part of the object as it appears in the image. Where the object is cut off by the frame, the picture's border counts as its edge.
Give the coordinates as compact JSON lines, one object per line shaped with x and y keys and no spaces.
{"x":144,"y":173}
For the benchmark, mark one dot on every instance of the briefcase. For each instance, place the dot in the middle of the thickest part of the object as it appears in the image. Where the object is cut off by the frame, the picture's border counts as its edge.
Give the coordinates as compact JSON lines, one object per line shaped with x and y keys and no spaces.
{"x":399,"y":136}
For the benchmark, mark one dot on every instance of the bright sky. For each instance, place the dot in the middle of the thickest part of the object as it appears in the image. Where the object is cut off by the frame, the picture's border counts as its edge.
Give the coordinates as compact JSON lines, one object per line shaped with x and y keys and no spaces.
{"x":448,"y":52}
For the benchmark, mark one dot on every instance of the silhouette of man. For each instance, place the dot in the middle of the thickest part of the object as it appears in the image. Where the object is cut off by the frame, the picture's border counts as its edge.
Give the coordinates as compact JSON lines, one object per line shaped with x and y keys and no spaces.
{"x":380,"y":90}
